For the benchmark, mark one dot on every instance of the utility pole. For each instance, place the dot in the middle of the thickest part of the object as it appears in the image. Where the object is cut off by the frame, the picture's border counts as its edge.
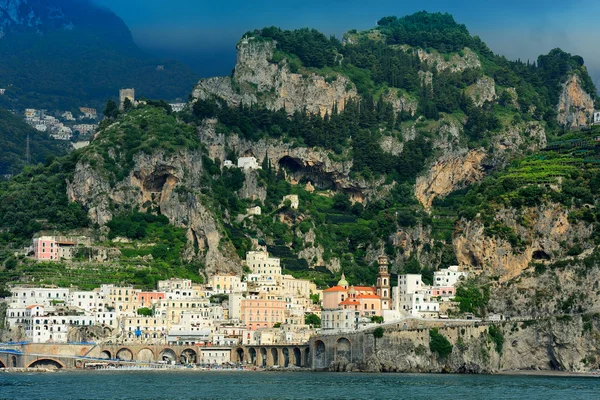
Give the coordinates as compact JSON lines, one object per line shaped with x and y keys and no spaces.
{"x":27,"y":150}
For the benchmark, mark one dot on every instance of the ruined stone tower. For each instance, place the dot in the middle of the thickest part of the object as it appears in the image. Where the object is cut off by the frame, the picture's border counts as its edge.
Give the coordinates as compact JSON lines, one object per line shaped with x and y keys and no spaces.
{"x":126,"y":94}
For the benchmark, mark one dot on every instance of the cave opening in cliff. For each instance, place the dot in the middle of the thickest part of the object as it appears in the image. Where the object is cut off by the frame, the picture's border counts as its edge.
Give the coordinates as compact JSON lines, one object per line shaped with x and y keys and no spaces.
{"x":156,"y":181}
{"x":540,"y":255}
{"x":290,"y":164}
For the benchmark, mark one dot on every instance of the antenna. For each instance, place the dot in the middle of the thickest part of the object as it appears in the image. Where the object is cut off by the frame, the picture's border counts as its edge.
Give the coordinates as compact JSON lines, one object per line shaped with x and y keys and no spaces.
{"x":27,"y":150}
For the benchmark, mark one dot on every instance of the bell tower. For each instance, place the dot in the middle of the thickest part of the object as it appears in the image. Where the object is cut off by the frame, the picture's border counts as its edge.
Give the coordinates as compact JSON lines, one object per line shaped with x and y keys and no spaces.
{"x":383,"y":283}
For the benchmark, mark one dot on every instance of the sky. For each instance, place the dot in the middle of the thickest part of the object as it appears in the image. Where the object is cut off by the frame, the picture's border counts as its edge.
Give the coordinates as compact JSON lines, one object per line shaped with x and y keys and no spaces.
{"x":203,"y":33}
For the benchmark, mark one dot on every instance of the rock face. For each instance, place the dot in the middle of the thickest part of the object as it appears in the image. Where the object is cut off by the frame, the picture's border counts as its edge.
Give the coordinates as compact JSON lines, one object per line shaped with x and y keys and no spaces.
{"x":483,"y":90}
{"x":457,"y":63}
{"x":547,"y":235}
{"x":575,"y":106}
{"x":401,"y":102}
{"x":257,"y":79}
{"x":545,"y":345}
{"x":169,"y":182}
{"x":299,"y":163}
{"x":448,"y":173}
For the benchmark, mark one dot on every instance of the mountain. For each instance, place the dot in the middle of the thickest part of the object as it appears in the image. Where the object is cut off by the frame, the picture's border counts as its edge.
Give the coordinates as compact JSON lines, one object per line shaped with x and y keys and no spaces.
{"x":411,"y":139}
{"x":63,"y":54}
{"x":13,"y":142}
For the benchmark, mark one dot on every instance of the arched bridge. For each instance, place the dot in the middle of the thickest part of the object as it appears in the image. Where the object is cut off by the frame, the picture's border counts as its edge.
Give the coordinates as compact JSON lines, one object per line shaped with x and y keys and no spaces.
{"x":273,"y":355}
{"x":31,"y":355}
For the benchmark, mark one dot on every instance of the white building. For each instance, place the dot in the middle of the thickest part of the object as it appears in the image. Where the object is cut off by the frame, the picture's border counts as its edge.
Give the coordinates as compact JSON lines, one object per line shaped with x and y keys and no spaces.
{"x":448,"y":276}
{"x":413,"y":297}
{"x":45,"y":296}
{"x":247,"y":163}
{"x":228,"y":164}
{"x":88,"y":301}
{"x":596,"y":117}
{"x":260,"y":263}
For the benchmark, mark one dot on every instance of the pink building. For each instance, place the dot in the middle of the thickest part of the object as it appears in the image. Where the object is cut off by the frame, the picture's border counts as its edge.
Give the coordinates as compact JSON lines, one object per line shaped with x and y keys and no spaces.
{"x":53,"y":248}
{"x":262,"y":311}
{"x":146,"y":299}
{"x":442,"y":291}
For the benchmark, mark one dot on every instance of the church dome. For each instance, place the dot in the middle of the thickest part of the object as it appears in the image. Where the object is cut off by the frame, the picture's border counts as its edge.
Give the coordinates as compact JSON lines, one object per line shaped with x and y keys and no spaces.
{"x":343,"y":282}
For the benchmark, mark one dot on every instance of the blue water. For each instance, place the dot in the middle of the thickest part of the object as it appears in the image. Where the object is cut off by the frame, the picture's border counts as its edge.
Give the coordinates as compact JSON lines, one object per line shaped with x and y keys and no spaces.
{"x":289,"y":385}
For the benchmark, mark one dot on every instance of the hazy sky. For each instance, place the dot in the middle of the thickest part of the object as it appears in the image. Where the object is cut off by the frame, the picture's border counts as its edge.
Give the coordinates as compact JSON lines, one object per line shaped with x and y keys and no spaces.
{"x":204,"y":32}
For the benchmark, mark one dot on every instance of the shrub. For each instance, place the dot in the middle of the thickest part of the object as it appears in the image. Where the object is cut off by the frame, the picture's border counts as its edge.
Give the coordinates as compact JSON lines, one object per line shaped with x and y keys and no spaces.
{"x":439,"y":344}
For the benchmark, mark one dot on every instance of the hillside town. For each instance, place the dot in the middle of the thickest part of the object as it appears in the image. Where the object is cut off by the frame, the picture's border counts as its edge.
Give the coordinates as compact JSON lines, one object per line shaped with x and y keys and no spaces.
{"x":264,"y":307}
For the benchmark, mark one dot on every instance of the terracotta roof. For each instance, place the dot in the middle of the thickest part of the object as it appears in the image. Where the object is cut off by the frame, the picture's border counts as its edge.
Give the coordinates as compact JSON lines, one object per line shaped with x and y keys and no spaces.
{"x":32,"y":306}
{"x":364,"y":289}
{"x":367,"y":296}
{"x":350,"y":302}
{"x":336,"y":289}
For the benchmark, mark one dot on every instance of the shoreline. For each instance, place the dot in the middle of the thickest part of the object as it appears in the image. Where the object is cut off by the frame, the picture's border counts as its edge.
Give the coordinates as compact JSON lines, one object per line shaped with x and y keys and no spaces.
{"x":532,"y":373}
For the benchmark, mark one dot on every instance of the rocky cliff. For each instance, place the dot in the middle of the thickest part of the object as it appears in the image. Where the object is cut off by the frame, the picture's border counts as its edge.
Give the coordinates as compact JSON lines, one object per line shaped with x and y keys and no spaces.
{"x":575,"y":106}
{"x":170,"y":183}
{"x":258,"y":79}
{"x":555,"y":344}
{"x":546,"y":234}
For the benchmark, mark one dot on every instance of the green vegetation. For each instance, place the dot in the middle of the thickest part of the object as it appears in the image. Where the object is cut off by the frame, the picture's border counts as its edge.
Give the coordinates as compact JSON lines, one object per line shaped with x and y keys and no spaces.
{"x":145,"y":129}
{"x":36,"y":199}
{"x":377,"y":319}
{"x":13,"y":139}
{"x":145,"y":311}
{"x":439,"y":344}
{"x":472,"y":297}
{"x":312,"y":319}
{"x":497,"y":337}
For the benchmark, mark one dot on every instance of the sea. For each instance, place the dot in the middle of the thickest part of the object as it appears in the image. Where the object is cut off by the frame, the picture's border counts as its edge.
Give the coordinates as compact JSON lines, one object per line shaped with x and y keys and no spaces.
{"x":290,"y":385}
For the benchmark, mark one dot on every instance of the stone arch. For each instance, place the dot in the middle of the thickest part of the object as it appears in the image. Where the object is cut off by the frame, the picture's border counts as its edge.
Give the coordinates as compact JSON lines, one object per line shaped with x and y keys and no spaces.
{"x":2,"y":364}
{"x":124,"y":354}
{"x":189,"y":356}
{"x":252,"y":355}
{"x":145,"y":355}
{"x":320,"y":357}
{"x":343,"y":349}
{"x":297,"y":357}
{"x":274,"y":356}
{"x":13,"y":361}
{"x":307,"y":357}
{"x":238,"y":355}
{"x":105,"y":355}
{"x":263,"y":357}
{"x":285,"y":357}
{"x":46,"y":363}
{"x":167,"y":355}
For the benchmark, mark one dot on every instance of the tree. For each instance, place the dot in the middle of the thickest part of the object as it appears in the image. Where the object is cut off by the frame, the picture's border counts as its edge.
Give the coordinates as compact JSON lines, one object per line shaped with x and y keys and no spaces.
{"x":111,"y":110}
{"x":439,"y":344}
{"x":312,"y":319}
{"x":145,"y":311}
{"x":377,"y":319}
{"x":127,"y":105}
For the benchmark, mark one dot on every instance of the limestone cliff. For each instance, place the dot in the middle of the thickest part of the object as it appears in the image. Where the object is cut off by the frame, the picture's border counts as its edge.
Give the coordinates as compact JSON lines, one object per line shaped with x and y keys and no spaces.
{"x":169,"y":182}
{"x":483,"y":90}
{"x":448,"y":173}
{"x":467,"y":59}
{"x":563,"y":344}
{"x":257,"y":79}
{"x":547,"y":236}
{"x":299,"y":163}
{"x":575,"y":106}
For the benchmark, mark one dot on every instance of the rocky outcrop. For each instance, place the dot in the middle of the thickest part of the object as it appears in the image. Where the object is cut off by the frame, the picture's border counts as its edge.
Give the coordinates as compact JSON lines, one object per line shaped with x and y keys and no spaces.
{"x":548,"y":235}
{"x":575,"y":106}
{"x":466,"y":59}
{"x":298,"y":163}
{"x":553,"y":344}
{"x":483,"y":90}
{"x":169,"y":183}
{"x":448,"y":173}
{"x":258,"y":79}
{"x":401,"y":102}
{"x":519,"y":138}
